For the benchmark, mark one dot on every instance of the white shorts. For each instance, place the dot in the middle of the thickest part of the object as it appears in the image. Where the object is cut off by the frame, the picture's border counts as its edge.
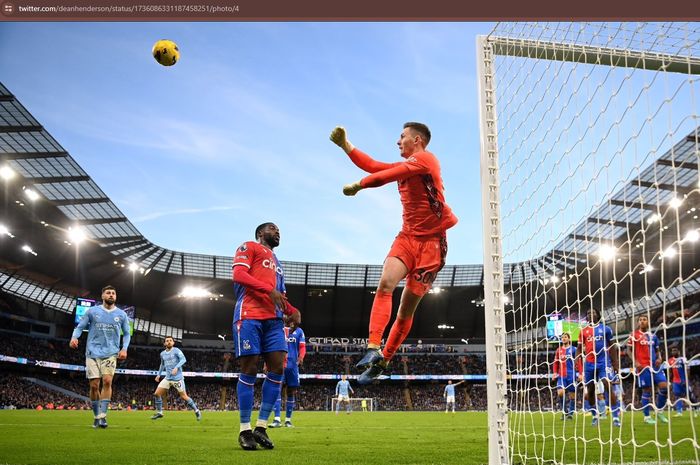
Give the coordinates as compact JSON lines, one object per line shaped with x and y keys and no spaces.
{"x":167,"y":384}
{"x":600,"y":387}
{"x":450,"y":399}
{"x":99,"y":367}
{"x":342,"y":398}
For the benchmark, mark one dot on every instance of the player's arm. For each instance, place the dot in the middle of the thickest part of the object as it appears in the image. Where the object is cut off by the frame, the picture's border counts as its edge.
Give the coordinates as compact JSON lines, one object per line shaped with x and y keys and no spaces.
{"x":126,"y":338}
{"x":302,"y":350}
{"x":397,"y":172}
{"x":160,"y":369}
{"x":578,"y":363}
{"x":581,"y":354}
{"x":180,"y":362}
{"x":350,"y":388}
{"x":613,"y":350}
{"x":630,"y":353}
{"x":457,"y":384}
{"x":555,"y":364}
{"x":359,"y":158}
{"x":337,"y":387}
{"x":82,"y":325}
{"x":659,"y":355}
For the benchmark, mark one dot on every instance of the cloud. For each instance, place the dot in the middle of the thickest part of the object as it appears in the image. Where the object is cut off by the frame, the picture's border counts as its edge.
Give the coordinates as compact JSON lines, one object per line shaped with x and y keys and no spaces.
{"x":182,"y":211}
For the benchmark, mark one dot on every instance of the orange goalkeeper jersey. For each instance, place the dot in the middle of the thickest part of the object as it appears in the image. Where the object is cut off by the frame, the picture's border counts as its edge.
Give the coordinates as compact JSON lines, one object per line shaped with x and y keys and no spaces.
{"x":425,"y":212}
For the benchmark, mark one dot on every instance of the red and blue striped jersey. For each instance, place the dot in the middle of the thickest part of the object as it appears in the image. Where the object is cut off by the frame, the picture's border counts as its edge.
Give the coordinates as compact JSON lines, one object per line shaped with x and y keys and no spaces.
{"x":644,"y":347}
{"x":678,"y":367}
{"x":263,"y":265}
{"x":564,"y":361}
{"x":596,"y":340}
{"x":296,"y":345}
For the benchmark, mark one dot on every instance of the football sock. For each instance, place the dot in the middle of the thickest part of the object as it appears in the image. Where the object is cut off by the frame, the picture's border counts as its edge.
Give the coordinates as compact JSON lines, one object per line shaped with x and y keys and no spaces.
{"x":379,"y":318}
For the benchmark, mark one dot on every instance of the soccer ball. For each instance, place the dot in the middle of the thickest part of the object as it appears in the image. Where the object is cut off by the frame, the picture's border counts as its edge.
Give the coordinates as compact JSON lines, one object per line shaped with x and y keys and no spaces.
{"x":166,"y":52}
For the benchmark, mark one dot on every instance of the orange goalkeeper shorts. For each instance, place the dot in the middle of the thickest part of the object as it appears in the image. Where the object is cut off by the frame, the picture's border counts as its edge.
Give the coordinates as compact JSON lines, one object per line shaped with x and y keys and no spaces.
{"x":423,"y":256}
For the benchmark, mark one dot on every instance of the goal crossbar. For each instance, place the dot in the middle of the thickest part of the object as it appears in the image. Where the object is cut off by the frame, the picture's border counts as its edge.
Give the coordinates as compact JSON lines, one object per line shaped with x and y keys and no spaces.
{"x":593,"y":55}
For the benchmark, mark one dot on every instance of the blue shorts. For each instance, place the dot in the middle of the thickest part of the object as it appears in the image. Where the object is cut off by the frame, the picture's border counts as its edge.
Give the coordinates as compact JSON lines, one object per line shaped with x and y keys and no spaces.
{"x":291,"y":376}
{"x":648,"y":376}
{"x":567,"y":383}
{"x":679,"y":389}
{"x":593,"y":372}
{"x":255,"y":337}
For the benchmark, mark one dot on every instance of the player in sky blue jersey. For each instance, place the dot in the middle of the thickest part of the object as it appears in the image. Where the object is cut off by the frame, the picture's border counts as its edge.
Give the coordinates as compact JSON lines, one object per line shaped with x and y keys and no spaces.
{"x":296,"y":350}
{"x":342,"y":390}
{"x":449,"y":395}
{"x":105,"y":324}
{"x":171,"y":361}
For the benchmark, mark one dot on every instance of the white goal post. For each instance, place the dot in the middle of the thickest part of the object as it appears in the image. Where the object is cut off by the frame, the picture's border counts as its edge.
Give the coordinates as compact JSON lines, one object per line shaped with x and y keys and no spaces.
{"x":355,"y":404}
{"x":590,"y":161}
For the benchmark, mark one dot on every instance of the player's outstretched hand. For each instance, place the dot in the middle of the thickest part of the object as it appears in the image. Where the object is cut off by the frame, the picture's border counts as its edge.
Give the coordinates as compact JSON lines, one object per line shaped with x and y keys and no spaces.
{"x":352,"y":189}
{"x":279,"y":299}
{"x":157,"y":379}
{"x":122,"y":355}
{"x":340,"y":138}
{"x":73,"y":343}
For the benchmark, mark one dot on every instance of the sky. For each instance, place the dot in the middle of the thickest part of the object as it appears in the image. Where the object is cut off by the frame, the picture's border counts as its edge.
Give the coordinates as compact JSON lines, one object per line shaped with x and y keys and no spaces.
{"x":236,"y":134}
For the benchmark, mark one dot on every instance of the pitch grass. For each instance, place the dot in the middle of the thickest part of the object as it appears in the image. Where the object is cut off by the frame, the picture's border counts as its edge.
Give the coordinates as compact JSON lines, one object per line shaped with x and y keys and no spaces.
{"x":376,"y":438}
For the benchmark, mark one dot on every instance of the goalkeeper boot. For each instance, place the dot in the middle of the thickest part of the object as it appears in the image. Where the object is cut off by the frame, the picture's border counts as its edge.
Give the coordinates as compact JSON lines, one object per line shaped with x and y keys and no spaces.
{"x":372,"y":373}
{"x":246,"y":440}
{"x":261,"y":437}
{"x":371,"y":357}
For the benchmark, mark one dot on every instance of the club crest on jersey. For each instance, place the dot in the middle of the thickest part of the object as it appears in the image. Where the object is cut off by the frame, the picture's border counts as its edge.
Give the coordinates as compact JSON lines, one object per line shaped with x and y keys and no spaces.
{"x":243,"y":248}
{"x":246,"y":344}
{"x":116,"y":318}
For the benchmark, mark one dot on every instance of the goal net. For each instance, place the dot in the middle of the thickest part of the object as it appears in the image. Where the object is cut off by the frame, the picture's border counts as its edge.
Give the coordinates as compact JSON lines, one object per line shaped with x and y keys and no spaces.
{"x":356,"y":404}
{"x":590,"y":151}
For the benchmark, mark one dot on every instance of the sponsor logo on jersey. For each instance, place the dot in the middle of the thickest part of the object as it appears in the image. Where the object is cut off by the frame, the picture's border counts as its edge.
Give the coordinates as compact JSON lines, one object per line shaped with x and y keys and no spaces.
{"x":271,"y":265}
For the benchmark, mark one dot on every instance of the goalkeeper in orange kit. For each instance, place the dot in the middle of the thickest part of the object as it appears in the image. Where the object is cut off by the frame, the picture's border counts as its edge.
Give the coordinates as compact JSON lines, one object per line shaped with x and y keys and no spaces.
{"x":419,"y":250}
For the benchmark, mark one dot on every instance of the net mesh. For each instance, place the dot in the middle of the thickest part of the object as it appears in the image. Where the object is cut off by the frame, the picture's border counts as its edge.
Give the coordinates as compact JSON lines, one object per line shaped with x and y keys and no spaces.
{"x":598,"y":152}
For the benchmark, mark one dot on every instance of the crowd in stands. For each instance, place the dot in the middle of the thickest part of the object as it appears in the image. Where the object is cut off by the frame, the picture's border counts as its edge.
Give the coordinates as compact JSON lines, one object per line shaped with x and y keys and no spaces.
{"x":313,"y":395}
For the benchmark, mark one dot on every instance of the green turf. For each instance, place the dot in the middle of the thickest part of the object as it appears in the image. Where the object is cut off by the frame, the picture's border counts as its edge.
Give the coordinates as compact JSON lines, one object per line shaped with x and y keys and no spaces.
{"x":30,"y":437}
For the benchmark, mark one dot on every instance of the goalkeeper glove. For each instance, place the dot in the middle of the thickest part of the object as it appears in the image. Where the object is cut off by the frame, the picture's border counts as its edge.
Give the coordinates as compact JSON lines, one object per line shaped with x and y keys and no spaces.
{"x":340,"y":138}
{"x":352,"y":189}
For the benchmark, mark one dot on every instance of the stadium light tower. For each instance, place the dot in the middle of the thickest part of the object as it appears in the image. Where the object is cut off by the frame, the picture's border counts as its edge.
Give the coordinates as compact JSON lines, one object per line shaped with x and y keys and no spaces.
{"x":7,"y":173}
{"x":4,"y":231}
{"x":31,"y":194}
{"x":28,"y":249}
{"x":77,"y":235}
{"x":606,"y":253}
{"x":192,"y":292}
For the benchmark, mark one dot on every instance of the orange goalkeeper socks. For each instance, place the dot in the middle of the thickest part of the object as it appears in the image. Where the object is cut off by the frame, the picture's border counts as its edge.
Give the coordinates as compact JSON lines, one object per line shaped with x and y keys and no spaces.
{"x":398,"y":333}
{"x":379,"y":318}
